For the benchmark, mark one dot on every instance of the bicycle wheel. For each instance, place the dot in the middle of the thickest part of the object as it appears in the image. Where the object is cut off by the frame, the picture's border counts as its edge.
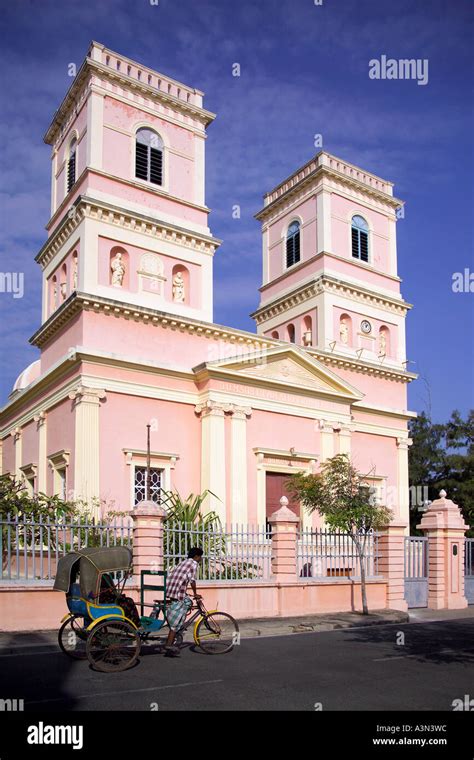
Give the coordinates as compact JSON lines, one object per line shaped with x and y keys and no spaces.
{"x":72,"y":638}
{"x":216,"y":633}
{"x":113,"y":645}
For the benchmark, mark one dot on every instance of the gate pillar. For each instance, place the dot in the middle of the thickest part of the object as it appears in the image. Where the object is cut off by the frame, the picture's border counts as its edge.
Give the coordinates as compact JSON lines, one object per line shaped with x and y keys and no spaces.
{"x":391,"y":554}
{"x":444,"y":526}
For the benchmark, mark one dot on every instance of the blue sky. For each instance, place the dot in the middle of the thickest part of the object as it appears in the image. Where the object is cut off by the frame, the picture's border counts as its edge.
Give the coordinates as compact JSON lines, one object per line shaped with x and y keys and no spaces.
{"x":304,"y":71}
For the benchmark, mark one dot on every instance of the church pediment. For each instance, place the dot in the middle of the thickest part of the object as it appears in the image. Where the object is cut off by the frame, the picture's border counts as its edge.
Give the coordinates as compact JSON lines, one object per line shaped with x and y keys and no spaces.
{"x":287,"y":367}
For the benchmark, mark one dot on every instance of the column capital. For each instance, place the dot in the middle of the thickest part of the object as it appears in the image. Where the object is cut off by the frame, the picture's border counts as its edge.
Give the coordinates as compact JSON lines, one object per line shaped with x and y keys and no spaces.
{"x":404,"y":443}
{"x":16,"y":433}
{"x":40,"y":419}
{"x":83,"y":394}
{"x":213,"y":408}
{"x":240,"y":412}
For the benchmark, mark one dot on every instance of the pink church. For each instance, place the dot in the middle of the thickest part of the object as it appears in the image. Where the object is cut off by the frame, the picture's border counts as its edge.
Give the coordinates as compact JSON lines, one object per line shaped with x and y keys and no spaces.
{"x":127,"y":336}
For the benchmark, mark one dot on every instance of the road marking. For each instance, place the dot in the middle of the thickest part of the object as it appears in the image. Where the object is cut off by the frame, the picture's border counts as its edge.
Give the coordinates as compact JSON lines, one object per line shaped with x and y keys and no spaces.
{"x":127,"y":691}
{"x":421,"y":654}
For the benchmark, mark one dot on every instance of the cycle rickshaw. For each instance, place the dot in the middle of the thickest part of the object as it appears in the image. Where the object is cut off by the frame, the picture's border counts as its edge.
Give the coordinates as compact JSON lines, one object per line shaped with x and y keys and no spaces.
{"x":103,"y":624}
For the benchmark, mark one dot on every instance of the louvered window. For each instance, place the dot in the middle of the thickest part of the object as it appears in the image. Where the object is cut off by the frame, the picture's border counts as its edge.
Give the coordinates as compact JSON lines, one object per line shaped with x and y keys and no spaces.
{"x":293,"y":244}
{"x":71,"y":166}
{"x":149,"y":156}
{"x":360,"y":238}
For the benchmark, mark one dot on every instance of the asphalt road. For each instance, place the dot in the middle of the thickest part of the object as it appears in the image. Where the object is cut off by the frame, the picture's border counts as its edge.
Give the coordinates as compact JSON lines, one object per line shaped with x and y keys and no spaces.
{"x":351,"y":669}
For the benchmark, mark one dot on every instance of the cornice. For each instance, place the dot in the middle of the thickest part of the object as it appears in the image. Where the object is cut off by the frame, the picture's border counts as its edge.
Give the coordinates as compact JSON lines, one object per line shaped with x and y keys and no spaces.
{"x":78,"y":92}
{"x":327,"y":283}
{"x":84,"y":302}
{"x":362,"y":367}
{"x":322,"y":171}
{"x":91,"y":208}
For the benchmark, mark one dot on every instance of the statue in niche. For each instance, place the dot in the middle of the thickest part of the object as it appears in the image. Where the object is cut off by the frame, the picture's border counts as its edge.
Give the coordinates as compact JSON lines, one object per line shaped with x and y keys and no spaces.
{"x":118,"y":270}
{"x":344,"y":332}
{"x":382,"y":343}
{"x":178,"y":288}
{"x":63,"y":290}
{"x":74,"y":274}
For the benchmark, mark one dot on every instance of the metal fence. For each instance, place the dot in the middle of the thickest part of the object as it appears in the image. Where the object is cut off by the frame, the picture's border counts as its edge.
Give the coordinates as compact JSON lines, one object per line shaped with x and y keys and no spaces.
{"x":30,"y":548}
{"x":330,"y":554}
{"x":234,"y":552}
{"x":469,"y":558}
{"x":416,"y":557}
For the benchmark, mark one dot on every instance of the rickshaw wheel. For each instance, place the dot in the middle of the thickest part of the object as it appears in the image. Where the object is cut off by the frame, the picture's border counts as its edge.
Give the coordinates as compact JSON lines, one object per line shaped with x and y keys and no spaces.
{"x":113,"y":645}
{"x":72,"y":638}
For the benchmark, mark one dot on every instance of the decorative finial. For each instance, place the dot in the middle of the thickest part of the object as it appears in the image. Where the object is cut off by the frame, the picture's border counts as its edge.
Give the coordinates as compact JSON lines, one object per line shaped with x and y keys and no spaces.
{"x":283,"y":501}
{"x":442,"y":494}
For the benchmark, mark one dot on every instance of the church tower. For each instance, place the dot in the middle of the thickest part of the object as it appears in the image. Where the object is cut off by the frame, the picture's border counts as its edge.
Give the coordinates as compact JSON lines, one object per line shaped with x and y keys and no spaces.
{"x":128,"y":213}
{"x":330,"y":280}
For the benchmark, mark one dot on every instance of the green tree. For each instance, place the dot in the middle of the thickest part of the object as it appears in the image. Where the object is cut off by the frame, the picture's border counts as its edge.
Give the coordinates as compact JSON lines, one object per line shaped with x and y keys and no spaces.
{"x":442,"y":456}
{"x":340,"y":494}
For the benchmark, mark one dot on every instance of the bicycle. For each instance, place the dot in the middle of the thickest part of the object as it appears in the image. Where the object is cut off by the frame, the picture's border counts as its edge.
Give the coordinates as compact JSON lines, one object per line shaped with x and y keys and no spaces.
{"x":214,"y":632}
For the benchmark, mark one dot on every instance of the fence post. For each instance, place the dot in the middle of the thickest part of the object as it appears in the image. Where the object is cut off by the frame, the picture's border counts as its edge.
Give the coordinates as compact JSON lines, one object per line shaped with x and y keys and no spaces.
{"x":391,"y":563}
{"x":148,"y":519}
{"x":284,"y":527}
{"x":444,"y":526}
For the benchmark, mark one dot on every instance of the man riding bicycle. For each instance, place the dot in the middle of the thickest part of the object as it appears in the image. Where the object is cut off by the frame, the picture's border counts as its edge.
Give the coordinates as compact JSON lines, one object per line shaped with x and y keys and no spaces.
{"x":178,"y":602}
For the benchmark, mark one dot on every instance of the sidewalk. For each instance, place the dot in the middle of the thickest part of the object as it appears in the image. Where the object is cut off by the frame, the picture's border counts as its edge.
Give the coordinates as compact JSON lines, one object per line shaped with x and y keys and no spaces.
{"x":20,"y":642}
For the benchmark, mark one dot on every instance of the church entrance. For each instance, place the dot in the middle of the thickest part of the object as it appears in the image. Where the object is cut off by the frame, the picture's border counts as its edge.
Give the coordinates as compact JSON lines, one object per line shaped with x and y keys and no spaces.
{"x":275,"y":488}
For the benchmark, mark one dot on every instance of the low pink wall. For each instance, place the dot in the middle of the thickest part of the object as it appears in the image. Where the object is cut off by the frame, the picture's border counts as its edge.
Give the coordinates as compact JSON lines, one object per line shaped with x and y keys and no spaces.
{"x":34,"y":608}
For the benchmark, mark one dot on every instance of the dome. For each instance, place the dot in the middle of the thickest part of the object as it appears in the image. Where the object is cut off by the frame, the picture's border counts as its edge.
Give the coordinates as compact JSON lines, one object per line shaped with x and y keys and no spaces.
{"x":25,"y":378}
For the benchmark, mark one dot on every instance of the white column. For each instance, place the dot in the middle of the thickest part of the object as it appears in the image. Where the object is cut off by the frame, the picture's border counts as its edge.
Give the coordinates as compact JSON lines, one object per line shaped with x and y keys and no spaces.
{"x":17,"y":442}
{"x":238,"y":464}
{"x":86,"y":448}
{"x":327,"y":440}
{"x":265,"y":256}
{"x":199,"y":169}
{"x":213,"y":474}
{"x":95,"y":130}
{"x":323,"y":213}
{"x":402,"y":479}
{"x":40,"y":420}
{"x":345,"y":435}
{"x":392,"y":245}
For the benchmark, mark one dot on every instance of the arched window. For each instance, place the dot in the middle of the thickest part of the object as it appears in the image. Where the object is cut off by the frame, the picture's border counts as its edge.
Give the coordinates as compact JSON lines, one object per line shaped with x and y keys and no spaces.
{"x":149,"y":156}
{"x":71,"y":165}
{"x":291,"y":333}
{"x":360,"y":238}
{"x":275,"y":335}
{"x":293,"y":244}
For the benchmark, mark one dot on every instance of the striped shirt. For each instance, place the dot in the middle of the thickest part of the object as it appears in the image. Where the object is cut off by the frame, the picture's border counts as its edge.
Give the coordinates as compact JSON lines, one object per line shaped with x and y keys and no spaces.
{"x":179,"y":578}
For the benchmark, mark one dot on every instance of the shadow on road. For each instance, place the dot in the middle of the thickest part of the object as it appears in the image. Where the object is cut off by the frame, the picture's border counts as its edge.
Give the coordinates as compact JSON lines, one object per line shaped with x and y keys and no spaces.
{"x":438,"y":643}
{"x":35,"y":673}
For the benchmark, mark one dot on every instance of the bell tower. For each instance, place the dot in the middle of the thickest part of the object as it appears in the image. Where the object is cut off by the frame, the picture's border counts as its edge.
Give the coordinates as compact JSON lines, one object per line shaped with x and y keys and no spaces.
{"x":330,"y":263}
{"x":129,"y":220}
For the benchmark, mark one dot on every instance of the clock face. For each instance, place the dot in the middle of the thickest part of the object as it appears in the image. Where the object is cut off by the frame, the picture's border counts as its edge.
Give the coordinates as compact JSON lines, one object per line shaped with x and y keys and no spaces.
{"x":365,"y":326}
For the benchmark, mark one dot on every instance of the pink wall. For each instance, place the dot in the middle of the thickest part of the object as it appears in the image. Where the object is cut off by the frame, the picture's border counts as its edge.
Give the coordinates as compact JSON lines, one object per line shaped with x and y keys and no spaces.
{"x":358,"y":339}
{"x":8,"y":455}
{"x":378,"y":224}
{"x":29,"y":445}
{"x":60,"y":435}
{"x":377,"y":390}
{"x":308,"y":236}
{"x":119,"y":149}
{"x":178,"y":431}
{"x":375,"y":453}
{"x":78,"y":126}
{"x":300,"y":326}
{"x":72,"y":335}
{"x":133,"y":265}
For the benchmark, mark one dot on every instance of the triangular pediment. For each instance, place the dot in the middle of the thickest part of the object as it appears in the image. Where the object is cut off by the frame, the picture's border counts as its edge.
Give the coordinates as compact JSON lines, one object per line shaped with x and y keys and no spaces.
{"x":284,"y":366}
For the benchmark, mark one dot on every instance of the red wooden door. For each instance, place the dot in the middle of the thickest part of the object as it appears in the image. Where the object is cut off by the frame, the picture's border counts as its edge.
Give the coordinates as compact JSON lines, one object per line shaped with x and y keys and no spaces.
{"x":275,"y":489}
